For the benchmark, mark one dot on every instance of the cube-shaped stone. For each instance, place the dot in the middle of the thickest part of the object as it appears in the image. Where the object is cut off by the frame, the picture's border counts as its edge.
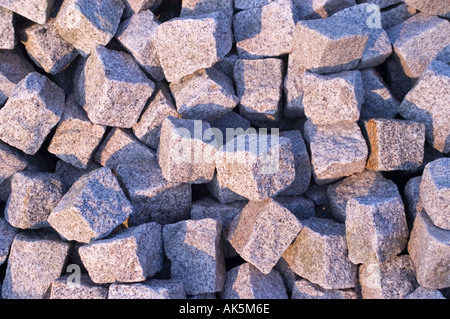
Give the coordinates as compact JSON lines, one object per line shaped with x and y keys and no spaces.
{"x":112,"y":88}
{"x":33,"y":109}
{"x":397,"y":79}
{"x":154,"y":199}
{"x":395,"y":144}
{"x":413,"y":200}
{"x":375,"y":229}
{"x":136,"y":35}
{"x":394,"y":279}
{"x":301,"y":207}
{"x":7,"y":33}
{"x":133,"y":7}
{"x":392,"y":16}
{"x":368,"y":183}
{"x":192,"y":8}
{"x":222,"y":193}
{"x":7,"y":233}
{"x":424,"y":293}
{"x":194,"y":250}
{"x":76,"y":137}
{"x":33,"y":197}
{"x":92,"y":208}
{"x":427,"y":103}
{"x":150,"y":289}
{"x":336,"y":150}
{"x":265,"y":31}
{"x":316,"y":9}
{"x":262,"y":232}
{"x":320,"y":254}
{"x":64,"y":288}
{"x":430,"y":7}
{"x":293,"y":90}
{"x":328,"y":45}
{"x":47,"y":48}
{"x":36,"y":259}
{"x":259,"y":85}
{"x":304,"y":289}
{"x":256,"y":166}
{"x":88,"y":23}
{"x":11,"y":161}
{"x":247,"y":282}
{"x":185,"y":45}
{"x":435,"y":192}
{"x":121,"y":147}
{"x":131,"y":255}
{"x":333,"y":99}
{"x":205,"y":95}
{"x":38,"y":11}
{"x":186,"y":153}
{"x":417,"y":40}
{"x":69,"y":174}
{"x":230,"y":125}
{"x":148,"y":128}
{"x":226,"y":64}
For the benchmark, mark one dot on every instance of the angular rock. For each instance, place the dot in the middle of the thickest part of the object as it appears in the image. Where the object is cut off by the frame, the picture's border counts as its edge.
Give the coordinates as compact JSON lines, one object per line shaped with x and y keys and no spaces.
{"x":33,"y":109}
{"x":303,"y":289}
{"x":424,"y":293}
{"x":293,"y":90}
{"x":150,"y":289}
{"x":69,"y":174}
{"x":185,"y":154}
{"x":397,"y":79}
{"x":230,"y":125}
{"x":314,"y":9}
{"x":92,"y":208}
{"x":333,"y":99}
{"x":192,"y":8}
{"x":289,"y":277}
{"x":222,"y":193}
{"x":299,"y":206}
{"x":121,"y":147}
{"x":112,"y":89}
{"x":265,"y":31}
{"x":194,"y":249}
{"x":375,"y":228}
{"x":256,"y":166}
{"x":35,"y":260}
{"x":11,"y":161}
{"x":336,"y":150}
{"x":430,"y":7}
{"x":7,"y":33}
{"x":185,"y":45}
{"x":427,"y":103}
{"x":205,"y":95}
{"x":76,"y":137}
{"x":259,"y":85}
{"x":394,"y":279}
{"x":88,"y":23}
{"x":393,"y":16}
{"x":131,"y":255}
{"x":154,"y":199}
{"x":262,"y":232}
{"x":365,"y":184}
{"x":429,"y":248}
{"x":136,"y":34}
{"x":64,"y":288}
{"x":33,"y":197}
{"x":38,"y":11}
{"x":247,"y":282}
{"x":7,"y":233}
{"x":133,"y":7}
{"x":395,"y":144}
{"x":413,"y":201}
{"x":226,"y":64}
{"x":320,"y":254}
{"x":148,"y":128}
{"x":435,"y":192}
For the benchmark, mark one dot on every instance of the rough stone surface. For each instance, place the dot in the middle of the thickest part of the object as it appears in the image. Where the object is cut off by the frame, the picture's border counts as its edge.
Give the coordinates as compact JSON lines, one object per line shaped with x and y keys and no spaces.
{"x":154,"y":199}
{"x":248,"y":4}
{"x":131,"y":255}
{"x":33,"y":197}
{"x":136,"y":34}
{"x":429,"y":248}
{"x":397,"y":79}
{"x":92,"y":208}
{"x":304,"y":289}
{"x":395,"y":144}
{"x":112,"y":88}
{"x":64,"y":288}
{"x":395,"y":15}
{"x":150,"y":289}
{"x":33,"y":109}
{"x":435,"y":192}
{"x":317,"y":9}
{"x":259,"y":85}
{"x":194,"y":249}
{"x":375,"y":228}
{"x":7,"y":233}
{"x":293,"y":90}
{"x":333,"y":99}
{"x":76,"y":137}
{"x":265,"y":31}
{"x":299,"y":206}
{"x":205,"y":95}
{"x":424,"y":293}
{"x":430,"y":7}
{"x":222,"y":193}
{"x":427,"y":103}
{"x":226,"y":64}
{"x":413,"y":201}
{"x":336,"y":150}
{"x":381,"y":3}
{"x":185,"y":45}
{"x":38,"y":11}
{"x":256,"y":166}
{"x":88,"y":23}
{"x":192,"y":8}
{"x":247,"y":282}
{"x":11,"y":161}
{"x":262,"y":232}
{"x":133,"y":7}
{"x":35,"y":260}
{"x":69,"y":174}
{"x":320,"y":254}
{"x":230,"y":125}
{"x":7,"y":33}
{"x":394,"y":279}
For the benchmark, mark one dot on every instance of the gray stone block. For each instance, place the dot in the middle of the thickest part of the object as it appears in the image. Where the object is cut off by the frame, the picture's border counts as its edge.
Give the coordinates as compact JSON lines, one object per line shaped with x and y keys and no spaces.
{"x":430,"y":7}
{"x":424,"y":293}
{"x":38,"y":11}
{"x":64,"y":288}
{"x":230,"y":125}
{"x":192,"y":8}
{"x":92,"y":208}
{"x":222,"y":193}
{"x":69,"y":174}
{"x":11,"y":161}
{"x":226,"y":65}
{"x":287,"y":274}
{"x":7,"y":233}
{"x":150,"y":289}
{"x":293,"y":90}
{"x":317,"y":9}
{"x":299,"y":206}
{"x":248,"y":4}
{"x":413,"y":202}
{"x":133,"y":7}
{"x":304,"y":289}
{"x":7,"y":35}
{"x":390,"y":17}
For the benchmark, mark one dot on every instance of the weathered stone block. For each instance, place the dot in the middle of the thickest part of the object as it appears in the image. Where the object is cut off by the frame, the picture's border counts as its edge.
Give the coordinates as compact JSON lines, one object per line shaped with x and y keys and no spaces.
{"x":64,"y":288}
{"x":11,"y":161}
{"x":7,"y":33}
{"x":390,"y":17}
{"x":430,"y":7}
{"x":38,"y":11}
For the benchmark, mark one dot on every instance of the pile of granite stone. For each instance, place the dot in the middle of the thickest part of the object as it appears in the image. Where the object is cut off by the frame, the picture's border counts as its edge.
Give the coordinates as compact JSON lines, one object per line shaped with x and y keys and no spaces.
{"x":224,"y":149}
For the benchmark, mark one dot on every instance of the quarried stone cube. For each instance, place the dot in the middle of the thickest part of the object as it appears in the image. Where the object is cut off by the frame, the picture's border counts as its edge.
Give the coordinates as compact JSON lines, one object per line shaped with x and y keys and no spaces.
{"x":7,"y":233}
{"x":301,"y":207}
{"x":11,"y":161}
{"x":222,"y":193}
{"x":7,"y":35}
{"x":69,"y":174}
{"x":430,"y":7}
{"x":150,"y":289}
{"x":38,"y":11}
{"x":230,"y":125}
{"x":192,"y":8}
{"x":392,"y":16}
{"x":413,"y":201}
{"x":293,"y":90}
{"x":304,"y":289}
{"x":65,"y":288}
